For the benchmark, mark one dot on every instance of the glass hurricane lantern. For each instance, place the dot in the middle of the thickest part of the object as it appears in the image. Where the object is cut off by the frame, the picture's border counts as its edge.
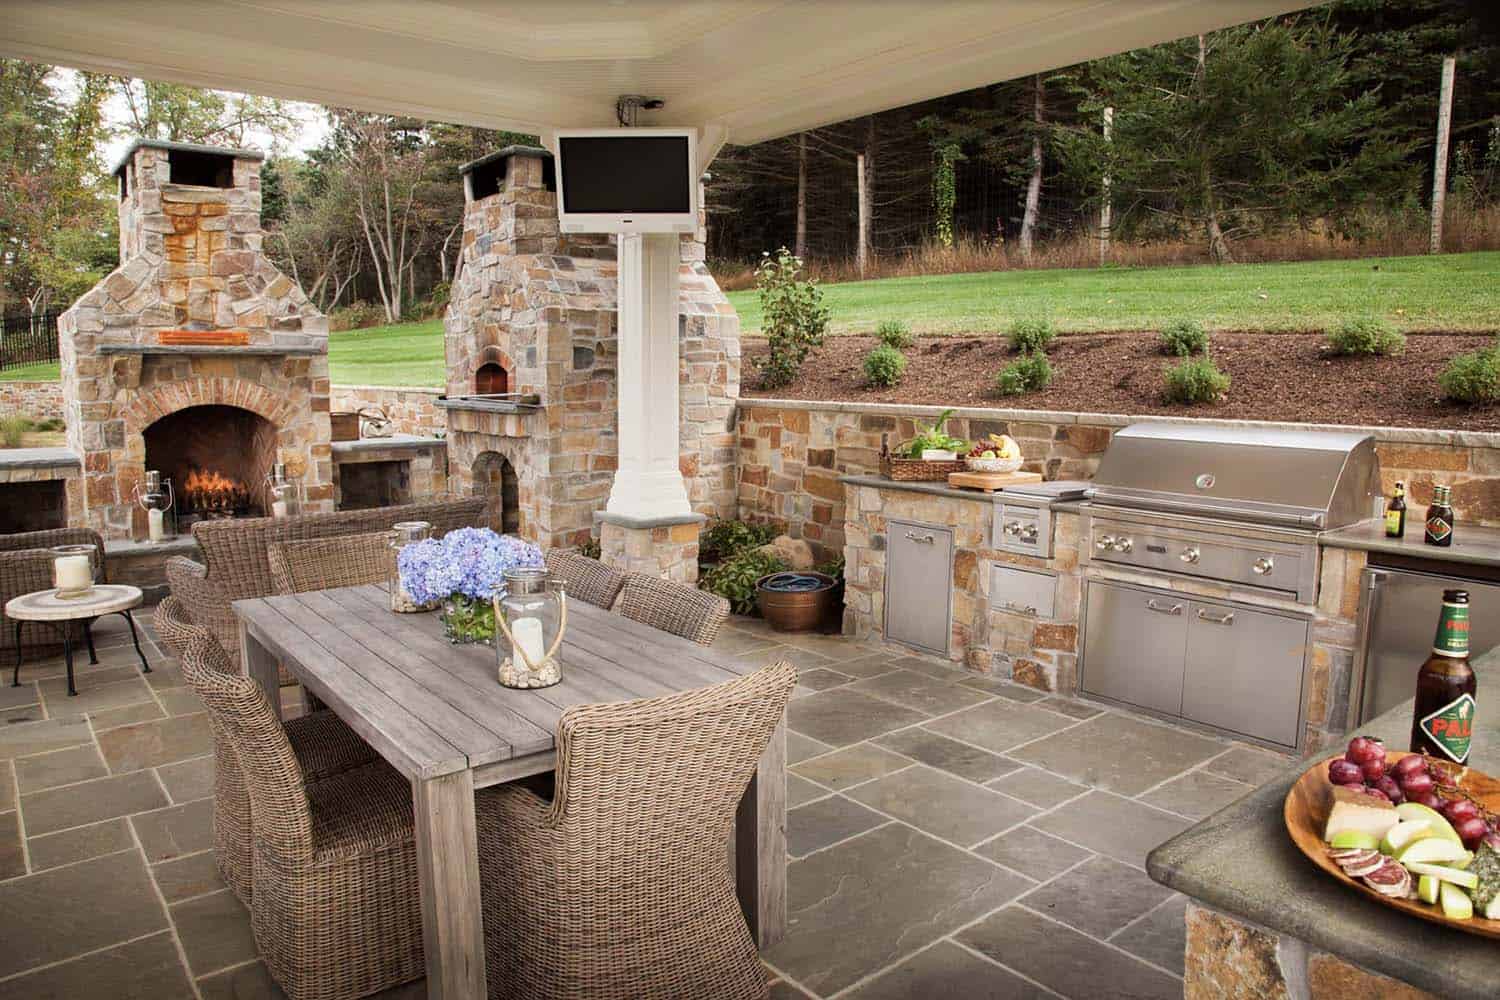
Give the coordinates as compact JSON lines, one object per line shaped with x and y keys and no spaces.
{"x":532,"y":614}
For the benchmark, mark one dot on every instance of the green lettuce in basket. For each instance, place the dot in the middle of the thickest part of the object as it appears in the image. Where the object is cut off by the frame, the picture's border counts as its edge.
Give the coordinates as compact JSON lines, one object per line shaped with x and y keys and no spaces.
{"x":933,"y":437}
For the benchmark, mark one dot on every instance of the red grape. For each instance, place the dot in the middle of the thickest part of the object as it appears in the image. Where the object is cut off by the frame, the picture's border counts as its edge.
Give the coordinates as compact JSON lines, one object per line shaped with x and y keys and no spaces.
{"x":1471,"y":831}
{"x":1412,"y":763}
{"x":1414,"y":786}
{"x":1374,"y":770}
{"x":1343,"y":772}
{"x":1363,"y":748}
{"x":1459,"y":810}
{"x":1429,"y":800}
{"x":1391,"y":790}
{"x":1377,"y":793}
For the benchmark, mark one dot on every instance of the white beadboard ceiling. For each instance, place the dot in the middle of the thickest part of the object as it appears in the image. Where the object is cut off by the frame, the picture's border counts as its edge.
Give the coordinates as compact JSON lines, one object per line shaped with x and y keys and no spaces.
{"x":751,"y":69}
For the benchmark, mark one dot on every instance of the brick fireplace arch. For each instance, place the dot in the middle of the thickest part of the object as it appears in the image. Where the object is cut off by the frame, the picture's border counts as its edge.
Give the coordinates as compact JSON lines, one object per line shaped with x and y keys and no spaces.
{"x":151,"y":405}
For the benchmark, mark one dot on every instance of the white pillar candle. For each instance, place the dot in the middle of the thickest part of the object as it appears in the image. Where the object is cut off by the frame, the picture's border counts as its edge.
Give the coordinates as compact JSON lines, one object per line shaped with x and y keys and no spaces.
{"x":73,"y":573}
{"x":154,"y":524}
{"x":278,"y":508}
{"x":527,"y":636}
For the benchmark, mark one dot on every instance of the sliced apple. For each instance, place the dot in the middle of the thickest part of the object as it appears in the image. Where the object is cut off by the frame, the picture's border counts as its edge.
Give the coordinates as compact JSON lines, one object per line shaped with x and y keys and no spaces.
{"x":1431,"y":849}
{"x":1412,"y":811}
{"x":1443,"y":874}
{"x":1404,"y":833}
{"x":1427,"y":889}
{"x":1455,"y":902}
{"x":1355,"y":839}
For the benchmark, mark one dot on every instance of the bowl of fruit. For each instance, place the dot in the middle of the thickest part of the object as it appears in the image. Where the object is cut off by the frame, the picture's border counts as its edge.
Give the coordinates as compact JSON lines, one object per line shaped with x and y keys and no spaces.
{"x":1414,"y":832}
{"x":997,"y":453}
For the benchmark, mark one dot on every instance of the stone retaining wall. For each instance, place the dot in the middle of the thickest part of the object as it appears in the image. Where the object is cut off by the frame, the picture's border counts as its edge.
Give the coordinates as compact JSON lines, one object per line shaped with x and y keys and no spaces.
{"x":792,"y":453}
{"x":413,"y":409}
{"x":39,"y":400}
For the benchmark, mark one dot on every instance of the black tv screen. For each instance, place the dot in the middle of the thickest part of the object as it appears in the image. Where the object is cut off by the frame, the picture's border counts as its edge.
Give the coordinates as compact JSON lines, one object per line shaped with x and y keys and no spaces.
{"x":611,"y":175}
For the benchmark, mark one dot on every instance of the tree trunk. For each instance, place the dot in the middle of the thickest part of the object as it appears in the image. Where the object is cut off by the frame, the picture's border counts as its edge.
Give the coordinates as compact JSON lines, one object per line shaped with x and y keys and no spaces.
{"x":1034,"y":183}
{"x":1218,"y":245}
{"x":865,"y":176}
{"x":1106,"y":208}
{"x":800,"y":243}
{"x":1440,"y":157}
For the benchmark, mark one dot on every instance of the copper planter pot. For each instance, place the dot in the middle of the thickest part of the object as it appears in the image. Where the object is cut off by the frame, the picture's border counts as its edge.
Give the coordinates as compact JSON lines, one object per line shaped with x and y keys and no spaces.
{"x":797,"y":610}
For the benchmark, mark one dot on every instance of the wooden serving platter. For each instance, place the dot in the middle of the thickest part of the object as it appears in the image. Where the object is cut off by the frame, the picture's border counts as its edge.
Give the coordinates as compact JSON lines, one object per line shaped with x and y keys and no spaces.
{"x":991,"y":481}
{"x":1306,"y":812}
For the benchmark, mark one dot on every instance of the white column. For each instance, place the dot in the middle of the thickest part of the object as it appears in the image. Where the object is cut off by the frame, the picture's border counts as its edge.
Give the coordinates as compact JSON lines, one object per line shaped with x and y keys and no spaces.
{"x":648,"y":483}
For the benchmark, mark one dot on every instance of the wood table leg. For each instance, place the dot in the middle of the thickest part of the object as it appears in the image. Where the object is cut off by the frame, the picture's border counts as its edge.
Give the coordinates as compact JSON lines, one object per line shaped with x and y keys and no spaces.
{"x":262,"y":667}
{"x":760,"y":845}
{"x":448,"y":870}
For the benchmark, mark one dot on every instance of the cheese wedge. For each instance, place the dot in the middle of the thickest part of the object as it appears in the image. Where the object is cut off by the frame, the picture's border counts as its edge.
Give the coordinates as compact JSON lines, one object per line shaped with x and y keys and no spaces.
{"x":1353,"y":809}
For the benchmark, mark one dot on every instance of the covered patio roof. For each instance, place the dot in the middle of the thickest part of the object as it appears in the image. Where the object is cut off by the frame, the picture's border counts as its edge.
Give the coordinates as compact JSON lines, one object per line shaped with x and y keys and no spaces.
{"x":744,"y":70}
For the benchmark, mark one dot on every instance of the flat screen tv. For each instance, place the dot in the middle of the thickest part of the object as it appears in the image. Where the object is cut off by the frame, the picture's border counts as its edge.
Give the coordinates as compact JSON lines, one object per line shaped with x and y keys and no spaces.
{"x":627,"y":180}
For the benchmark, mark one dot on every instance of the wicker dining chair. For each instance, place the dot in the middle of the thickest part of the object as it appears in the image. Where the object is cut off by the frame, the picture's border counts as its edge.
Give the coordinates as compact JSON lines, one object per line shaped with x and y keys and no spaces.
{"x":673,"y":607}
{"x":336,"y":909}
{"x":586,"y":579}
{"x":618,"y":887}
{"x":324,"y":563}
{"x":323,"y":744}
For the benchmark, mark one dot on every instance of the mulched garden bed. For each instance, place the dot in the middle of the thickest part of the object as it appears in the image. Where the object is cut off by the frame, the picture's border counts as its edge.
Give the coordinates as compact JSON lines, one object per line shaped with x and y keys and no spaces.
{"x":1274,"y":377}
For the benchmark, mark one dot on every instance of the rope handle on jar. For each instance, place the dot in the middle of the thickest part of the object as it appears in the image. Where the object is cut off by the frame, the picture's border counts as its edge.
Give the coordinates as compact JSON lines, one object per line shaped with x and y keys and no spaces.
{"x":516,"y":650}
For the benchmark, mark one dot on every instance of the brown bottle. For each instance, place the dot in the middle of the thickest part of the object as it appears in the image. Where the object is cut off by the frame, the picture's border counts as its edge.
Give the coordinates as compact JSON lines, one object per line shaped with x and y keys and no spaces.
{"x":1395,"y":513}
{"x":1440,"y":518}
{"x":1443,"y":719}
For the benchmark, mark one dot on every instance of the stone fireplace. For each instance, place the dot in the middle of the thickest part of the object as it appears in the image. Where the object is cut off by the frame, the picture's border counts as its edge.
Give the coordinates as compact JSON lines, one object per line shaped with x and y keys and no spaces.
{"x":196,"y":356}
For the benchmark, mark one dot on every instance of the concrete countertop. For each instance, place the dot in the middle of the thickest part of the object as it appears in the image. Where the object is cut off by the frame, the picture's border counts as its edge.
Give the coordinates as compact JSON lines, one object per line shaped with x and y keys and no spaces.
{"x":944,"y":490}
{"x":1241,"y":861}
{"x":37,"y":458}
{"x":1471,"y":544}
{"x":395,"y":441}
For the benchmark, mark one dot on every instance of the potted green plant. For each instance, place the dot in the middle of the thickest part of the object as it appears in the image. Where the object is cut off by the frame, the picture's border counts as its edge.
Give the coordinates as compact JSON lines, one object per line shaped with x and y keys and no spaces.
{"x":935,"y":444}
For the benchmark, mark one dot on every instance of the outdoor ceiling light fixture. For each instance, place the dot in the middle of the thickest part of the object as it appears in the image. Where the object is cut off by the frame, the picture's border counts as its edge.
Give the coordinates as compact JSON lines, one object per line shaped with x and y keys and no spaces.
{"x":628,"y":105}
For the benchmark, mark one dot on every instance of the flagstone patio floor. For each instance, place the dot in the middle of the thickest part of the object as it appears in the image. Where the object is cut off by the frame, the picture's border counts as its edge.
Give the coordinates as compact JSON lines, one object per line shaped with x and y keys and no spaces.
{"x":949,"y":835}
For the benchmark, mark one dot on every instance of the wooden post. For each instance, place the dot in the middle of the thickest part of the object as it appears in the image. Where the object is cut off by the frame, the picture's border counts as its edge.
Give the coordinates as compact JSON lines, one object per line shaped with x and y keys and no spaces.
{"x":1440,"y":156}
{"x":862,"y":255}
{"x":1106,"y":210}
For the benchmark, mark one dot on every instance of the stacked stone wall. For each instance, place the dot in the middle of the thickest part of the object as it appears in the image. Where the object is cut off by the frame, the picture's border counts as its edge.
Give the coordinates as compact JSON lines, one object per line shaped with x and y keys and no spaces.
{"x":412,"y":410}
{"x":38,"y":400}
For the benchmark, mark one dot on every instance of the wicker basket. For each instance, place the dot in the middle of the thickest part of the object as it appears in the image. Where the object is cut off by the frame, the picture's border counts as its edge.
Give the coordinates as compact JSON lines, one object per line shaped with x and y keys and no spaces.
{"x":345,"y":425}
{"x":918,"y":470}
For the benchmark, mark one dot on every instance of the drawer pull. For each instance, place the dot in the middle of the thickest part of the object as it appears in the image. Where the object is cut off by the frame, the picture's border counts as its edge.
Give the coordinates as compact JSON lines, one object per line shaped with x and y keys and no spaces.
{"x":912,"y":536}
{"x":1175,"y":609}
{"x":1225,"y":619}
{"x":1020,"y":609}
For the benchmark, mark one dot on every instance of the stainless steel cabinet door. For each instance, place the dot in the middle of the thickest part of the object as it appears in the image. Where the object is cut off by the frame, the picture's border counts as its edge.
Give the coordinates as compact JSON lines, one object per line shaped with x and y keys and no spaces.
{"x":918,"y":585}
{"x":1133,"y":646}
{"x":1244,"y":671}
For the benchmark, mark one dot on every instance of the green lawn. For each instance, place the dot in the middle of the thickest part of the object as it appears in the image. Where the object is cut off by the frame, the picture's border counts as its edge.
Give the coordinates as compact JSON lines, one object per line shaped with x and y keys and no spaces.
{"x":1458,"y":292}
{"x":1448,"y":292}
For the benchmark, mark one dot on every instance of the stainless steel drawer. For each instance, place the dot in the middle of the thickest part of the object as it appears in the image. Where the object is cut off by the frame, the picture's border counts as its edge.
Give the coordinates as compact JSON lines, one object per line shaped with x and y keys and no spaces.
{"x":919,"y":585}
{"x":1022,"y":591}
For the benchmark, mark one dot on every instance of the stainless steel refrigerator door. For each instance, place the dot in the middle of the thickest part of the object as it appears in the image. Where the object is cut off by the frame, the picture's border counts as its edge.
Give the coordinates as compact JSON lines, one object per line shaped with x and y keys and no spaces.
{"x":1401,"y":612}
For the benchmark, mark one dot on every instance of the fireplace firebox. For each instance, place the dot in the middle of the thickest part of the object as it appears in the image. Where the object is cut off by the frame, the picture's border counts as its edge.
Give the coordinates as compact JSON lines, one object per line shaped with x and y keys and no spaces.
{"x":217,"y":458}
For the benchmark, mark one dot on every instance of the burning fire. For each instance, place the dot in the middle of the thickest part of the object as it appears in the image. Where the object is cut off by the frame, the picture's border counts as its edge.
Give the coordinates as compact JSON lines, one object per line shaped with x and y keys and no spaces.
{"x":207,"y":490}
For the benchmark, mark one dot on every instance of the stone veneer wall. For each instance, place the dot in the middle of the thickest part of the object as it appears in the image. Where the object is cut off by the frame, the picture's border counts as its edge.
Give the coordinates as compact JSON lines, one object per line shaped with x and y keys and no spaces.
{"x":791,"y":453}
{"x":38,"y":400}
{"x":413,"y":410}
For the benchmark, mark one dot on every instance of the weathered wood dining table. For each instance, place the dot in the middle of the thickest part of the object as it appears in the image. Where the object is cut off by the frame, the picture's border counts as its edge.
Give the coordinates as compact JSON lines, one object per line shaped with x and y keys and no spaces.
{"x":436,"y":712}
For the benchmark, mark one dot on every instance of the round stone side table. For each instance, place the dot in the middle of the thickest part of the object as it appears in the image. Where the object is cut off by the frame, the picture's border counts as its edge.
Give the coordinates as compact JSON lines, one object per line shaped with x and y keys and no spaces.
{"x":46,"y":607}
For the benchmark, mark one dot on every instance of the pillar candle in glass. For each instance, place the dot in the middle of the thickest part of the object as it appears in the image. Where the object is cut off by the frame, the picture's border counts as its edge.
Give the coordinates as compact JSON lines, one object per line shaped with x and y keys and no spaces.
{"x":73,"y":570}
{"x":532,"y":616}
{"x":283,"y":495}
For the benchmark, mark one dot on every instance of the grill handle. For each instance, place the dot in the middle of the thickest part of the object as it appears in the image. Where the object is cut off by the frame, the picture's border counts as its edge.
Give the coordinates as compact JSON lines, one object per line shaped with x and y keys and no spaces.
{"x":1160,"y":609}
{"x":1225,"y":619}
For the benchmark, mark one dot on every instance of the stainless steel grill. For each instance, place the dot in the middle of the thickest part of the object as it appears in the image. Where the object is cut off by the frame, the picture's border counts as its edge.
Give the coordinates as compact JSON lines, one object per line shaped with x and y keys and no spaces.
{"x":1236,"y":505}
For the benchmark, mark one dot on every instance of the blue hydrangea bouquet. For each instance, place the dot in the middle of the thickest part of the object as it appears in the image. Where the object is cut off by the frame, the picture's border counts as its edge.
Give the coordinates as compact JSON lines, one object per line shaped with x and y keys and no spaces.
{"x":462,"y":571}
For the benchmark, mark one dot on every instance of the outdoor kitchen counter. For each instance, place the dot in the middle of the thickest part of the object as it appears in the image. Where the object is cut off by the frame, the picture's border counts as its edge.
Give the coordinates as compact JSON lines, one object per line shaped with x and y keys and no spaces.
{"x":1241,"y":862}
{"x":942,"y":490}
{"x":1473,"y":545}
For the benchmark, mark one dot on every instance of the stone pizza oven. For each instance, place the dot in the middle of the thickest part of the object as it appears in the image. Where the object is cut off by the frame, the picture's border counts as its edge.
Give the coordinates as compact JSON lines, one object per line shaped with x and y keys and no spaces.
{"x":196,"y":356}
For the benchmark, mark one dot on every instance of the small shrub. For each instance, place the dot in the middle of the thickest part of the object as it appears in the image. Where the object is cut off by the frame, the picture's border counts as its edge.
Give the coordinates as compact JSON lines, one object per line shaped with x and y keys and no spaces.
{"x":894,"y":333}
{"x":727,"y":538}
{"x":1473,"y":378}
{"x":793,"y":316}
{"x":1028,"y":336}
{"x":734,"y":578}
{"x":11,"y":429}
{"x":1184,"y":337}
{"x":1028,"y":373}
{"x":884,"y":365}
{"x":834,"y":567}
{"x":1366,"y":335}
{"x":1197,"y":380}
{"x":49,"y":424}
{"x":356,"y":316}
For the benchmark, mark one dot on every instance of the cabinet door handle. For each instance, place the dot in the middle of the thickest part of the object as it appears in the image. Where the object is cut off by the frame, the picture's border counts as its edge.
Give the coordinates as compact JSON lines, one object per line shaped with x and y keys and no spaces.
{"x":912,"y":536}
{"x":1225,"y":619}
{"x":1020,"y":609}
{"x":1175,"y":609}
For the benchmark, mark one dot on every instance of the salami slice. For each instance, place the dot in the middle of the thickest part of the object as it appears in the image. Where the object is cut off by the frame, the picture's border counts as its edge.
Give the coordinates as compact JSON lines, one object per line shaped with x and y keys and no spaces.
{"x":1390,"y":879}
{"x":1357,"y":867}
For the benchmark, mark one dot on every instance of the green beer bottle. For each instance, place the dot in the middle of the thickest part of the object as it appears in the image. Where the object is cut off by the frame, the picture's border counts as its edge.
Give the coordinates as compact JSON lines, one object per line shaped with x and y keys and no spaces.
{"x":1443,"y":718}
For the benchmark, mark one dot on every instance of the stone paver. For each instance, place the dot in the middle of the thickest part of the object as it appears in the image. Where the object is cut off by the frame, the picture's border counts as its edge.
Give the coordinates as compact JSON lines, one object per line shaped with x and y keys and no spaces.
{"x":952,"y":835}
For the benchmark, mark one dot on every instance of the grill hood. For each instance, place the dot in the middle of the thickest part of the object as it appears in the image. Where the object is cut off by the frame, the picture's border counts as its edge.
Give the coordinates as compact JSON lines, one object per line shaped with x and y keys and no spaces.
{"x":1292,"y":478}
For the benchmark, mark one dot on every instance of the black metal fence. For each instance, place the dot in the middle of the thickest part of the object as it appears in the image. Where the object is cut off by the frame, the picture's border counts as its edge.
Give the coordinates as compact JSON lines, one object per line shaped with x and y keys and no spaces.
{"x":27,"y":340}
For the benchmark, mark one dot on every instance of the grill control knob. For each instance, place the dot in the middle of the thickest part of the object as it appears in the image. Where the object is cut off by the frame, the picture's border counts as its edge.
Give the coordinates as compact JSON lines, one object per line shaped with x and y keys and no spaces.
{"x":1262,"y":566}
{"x":1012,"y":527}
{"x":1189,"y":554}
{"x":1124,"y":544}
{"x":1029,"y":532}
{"x":1105,"y":543}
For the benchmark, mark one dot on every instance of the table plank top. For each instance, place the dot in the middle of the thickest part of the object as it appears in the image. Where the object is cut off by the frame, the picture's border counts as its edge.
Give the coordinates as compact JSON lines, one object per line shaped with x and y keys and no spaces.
{"x":433,"y":708}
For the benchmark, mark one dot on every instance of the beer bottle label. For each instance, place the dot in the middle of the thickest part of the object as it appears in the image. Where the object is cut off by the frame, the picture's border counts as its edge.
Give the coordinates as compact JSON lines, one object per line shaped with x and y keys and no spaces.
{"x":1452,"y":637}
{"x":1438,"y":528}
{"x":1392,"y":522}
{"x":1451,"y":728}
